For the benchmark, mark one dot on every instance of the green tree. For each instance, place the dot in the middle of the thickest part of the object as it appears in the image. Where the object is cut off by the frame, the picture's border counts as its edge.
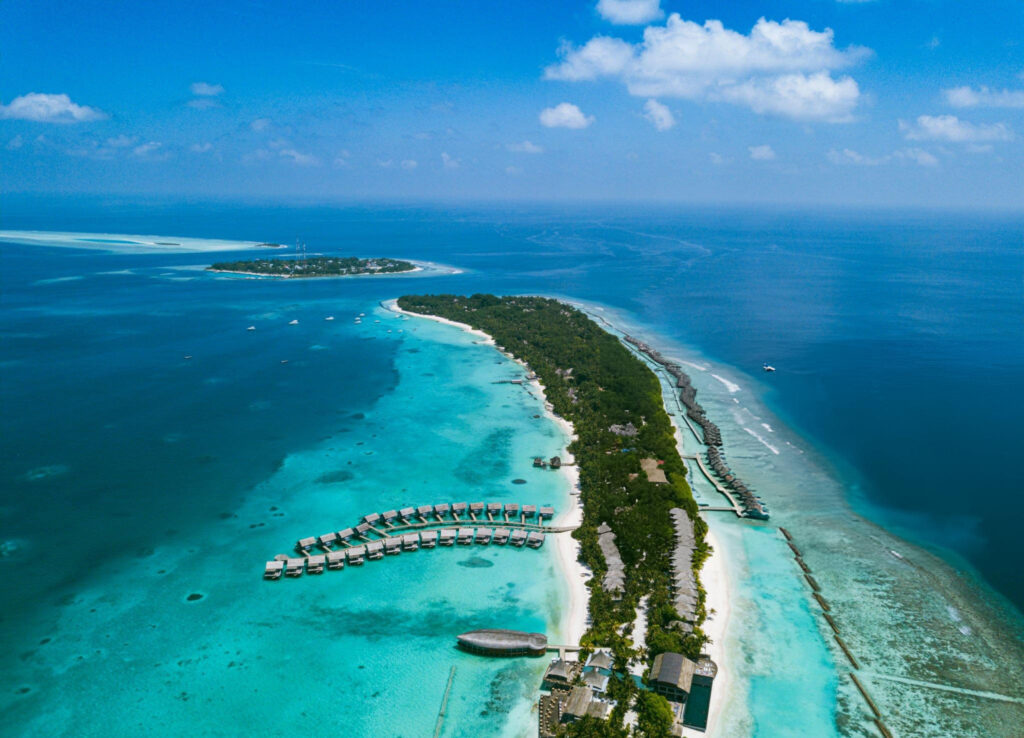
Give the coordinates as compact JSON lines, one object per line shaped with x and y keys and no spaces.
{"x":654,"y":716}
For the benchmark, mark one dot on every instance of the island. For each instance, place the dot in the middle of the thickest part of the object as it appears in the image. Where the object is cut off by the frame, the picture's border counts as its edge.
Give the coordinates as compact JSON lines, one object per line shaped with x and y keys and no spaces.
{"x":641,"y":534}
{"x":317,"y":266}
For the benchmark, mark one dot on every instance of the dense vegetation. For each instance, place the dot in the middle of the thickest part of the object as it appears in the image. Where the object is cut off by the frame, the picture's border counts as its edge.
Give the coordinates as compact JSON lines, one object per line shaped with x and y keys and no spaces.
{"x":318,"y":266}
{"x":595,"y":382}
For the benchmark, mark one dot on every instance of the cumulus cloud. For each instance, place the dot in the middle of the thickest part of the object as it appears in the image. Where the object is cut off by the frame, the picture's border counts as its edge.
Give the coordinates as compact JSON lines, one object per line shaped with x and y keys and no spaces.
{"x":525,"y":147}
{"x":297,"y":157}
{"x":630,"y":12}
{"x":201,"y":148}
{"x":952,"y":129}
{"x":849,"y":156}
{"x":917,"y":156}
{"x":983,"y":97}
{"x":205,"y":89}
{"x":449,"y":162}
{"x":409,"y":164}
{"x":15,"y":143}
{"x":260,"y":124}
{"x":47,"y":108}
{"x":148,"y":148}
{"x":659,"y":115}
{"x":778,"y":68}
{"x":121,"y":142}
{"x":565,"y":115}
{"x":764,"y":152}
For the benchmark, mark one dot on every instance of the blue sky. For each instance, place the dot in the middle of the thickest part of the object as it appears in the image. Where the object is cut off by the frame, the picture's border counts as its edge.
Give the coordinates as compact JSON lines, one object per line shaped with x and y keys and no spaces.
{"x":890,"y":102}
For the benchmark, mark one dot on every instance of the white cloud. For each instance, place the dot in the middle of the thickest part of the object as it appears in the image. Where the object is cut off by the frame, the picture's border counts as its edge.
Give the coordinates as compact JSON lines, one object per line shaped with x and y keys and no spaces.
{"x":780,"y":68}
{"x":716,"y":159}
{"x":565,"y":115}
{"x":525,"y":147}
{"x":201,"y":148}
{"x":659,"y":115}
{"x":147,"y":148}
{"x":121,"y":142}
{"x":449,"y":162}
{"x":15,"y":143}
{"x":203,"y":103}
{"x":950,"y":128}
{"x":297,"y":157}
{"x":513,"y":170}
{"x":385,"y":163}
{"x":764,"y":152}
{"x":260,"y":124}
{"x":46,"y":108}
{"x":341,"y":160}
{"x":849,"y":156}
{"x":983,"y":97}
{"x":409,"y":164}
{"x":630,"y":12}
{"x":918,"y":156}
{"x":205,"y":89}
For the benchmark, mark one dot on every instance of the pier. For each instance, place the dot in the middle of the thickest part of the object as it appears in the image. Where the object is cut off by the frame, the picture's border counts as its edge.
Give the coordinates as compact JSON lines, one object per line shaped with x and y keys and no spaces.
{"x":410,"y":529}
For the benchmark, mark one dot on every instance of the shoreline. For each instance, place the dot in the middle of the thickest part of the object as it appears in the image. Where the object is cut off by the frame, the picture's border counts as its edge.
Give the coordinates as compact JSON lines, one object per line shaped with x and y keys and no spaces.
{"x":416,"y":268}
{"x":574,"y":574}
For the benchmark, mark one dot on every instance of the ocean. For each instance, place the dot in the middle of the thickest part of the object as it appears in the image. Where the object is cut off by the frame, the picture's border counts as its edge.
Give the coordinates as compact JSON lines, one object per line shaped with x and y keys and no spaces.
{"x":134,"y":478}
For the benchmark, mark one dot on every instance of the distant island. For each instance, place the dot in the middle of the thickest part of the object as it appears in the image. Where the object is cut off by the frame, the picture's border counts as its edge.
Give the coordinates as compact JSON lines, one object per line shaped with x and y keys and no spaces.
{"x":318,"y":266}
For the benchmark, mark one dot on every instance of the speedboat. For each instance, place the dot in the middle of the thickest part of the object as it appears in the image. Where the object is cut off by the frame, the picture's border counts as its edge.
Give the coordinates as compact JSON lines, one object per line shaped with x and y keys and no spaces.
{"x":294,"y":322}
{"x":329,"y":317}
{"x":251,"y":328}
{"x":768,"y":367}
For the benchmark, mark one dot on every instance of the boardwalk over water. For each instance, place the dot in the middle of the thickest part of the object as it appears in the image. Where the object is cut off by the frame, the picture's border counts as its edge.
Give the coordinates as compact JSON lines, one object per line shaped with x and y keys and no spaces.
{"x":428,"y":526}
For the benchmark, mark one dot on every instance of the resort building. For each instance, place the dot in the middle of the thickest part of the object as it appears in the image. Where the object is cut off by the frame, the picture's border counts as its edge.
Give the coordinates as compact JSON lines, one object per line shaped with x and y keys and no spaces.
{"x":497,"y":642}
{"x":615,"y":579}
{"x":273,"y":570}
{"x":335,"y":559}
{"x":685,"y":682}
{"x":315,"y":564}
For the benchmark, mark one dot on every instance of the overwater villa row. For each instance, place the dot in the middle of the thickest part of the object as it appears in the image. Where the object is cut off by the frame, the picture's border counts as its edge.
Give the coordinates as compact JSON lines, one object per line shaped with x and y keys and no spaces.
{"x":684,"y":587}
{"x":753,"y":506}
{"x":394,"y":531}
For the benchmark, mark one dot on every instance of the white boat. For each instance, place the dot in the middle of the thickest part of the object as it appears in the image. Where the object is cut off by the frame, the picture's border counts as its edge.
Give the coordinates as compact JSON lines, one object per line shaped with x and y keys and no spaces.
{"x":329,"y":317}
{"x":362,"y":315}
{"x":294,"y":322}
{"x":251,"y":328}
{"x":768,"y":367}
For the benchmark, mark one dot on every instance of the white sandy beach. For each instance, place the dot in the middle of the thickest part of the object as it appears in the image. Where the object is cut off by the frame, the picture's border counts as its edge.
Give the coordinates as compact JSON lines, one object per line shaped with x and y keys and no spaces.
{"x":567,"y":548}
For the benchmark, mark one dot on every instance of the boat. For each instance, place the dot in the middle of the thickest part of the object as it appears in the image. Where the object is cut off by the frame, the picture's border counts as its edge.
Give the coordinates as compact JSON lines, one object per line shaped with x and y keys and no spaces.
{"x":294,"y":322}
{"x":329,"y":317}
{"x":251,"y":328}
{"x":768,"y":367}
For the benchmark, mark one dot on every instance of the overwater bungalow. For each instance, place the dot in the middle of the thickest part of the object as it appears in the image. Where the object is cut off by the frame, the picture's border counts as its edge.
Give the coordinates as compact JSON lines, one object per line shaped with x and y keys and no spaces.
{"x":517,"y":538}
{"x":362,"y":529}
{"x":389,"y":516}
{"x":447,"y":536}
{"x":346,"y":533}
{"x":440,"y":510}
{"x":411,"y":542}
{"x":512,"y":509}
{"x":538,"y":461}
{"x":546,"y":512}
{"x":335,"y":559}
{"x":428,"y":539}
{"x":375,"y":550}
{"x":556,"y":462}
{"x":304,"y":544}
{"x":475,"y":509}
{"x":459,"y":508}
{"x":529,"y":511}
{"x":535,"y":539}
{"x":493,"y":508}
{"x":315,"y":564}
{"x":424,"y":512}
{"x":371,"y":519}
{"x":355,"y":555}
{"x":500,"y":536}
{"x":465,"y":536}
{"x":483,"y":536}
{"x":407,"y":513}
{"x":392,"y":546}
{"x":294,"y":567}
{"x":327,"y":539}
{"x":273,"y":570}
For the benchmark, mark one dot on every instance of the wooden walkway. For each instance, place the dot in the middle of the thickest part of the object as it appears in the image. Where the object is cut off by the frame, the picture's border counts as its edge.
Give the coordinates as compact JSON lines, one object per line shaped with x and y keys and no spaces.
{"x":735,"y":506}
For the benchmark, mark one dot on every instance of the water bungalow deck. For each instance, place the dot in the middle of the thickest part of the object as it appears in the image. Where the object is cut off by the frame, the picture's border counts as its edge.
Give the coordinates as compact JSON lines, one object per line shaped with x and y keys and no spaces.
{"x":412,"y":528}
